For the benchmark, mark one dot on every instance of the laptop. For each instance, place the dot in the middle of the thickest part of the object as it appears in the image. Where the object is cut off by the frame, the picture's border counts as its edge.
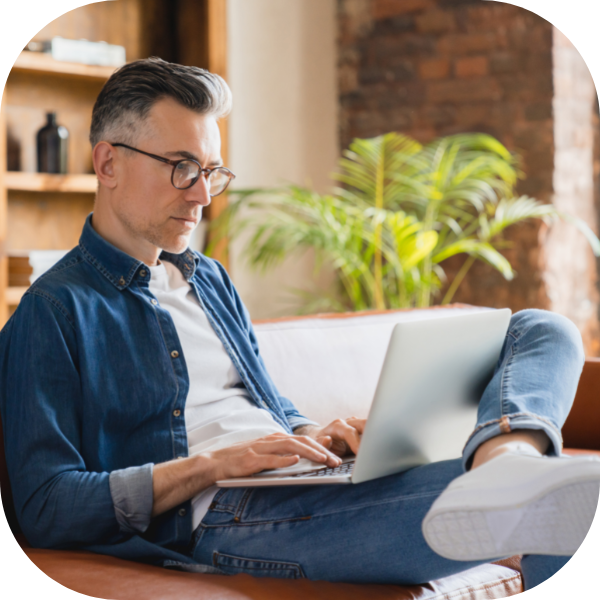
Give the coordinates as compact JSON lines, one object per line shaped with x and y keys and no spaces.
{"x":434,"y":371}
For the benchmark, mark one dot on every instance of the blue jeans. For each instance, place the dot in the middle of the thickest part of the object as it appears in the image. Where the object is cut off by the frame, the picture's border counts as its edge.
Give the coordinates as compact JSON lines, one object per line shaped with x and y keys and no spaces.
{"x":371,"y":532}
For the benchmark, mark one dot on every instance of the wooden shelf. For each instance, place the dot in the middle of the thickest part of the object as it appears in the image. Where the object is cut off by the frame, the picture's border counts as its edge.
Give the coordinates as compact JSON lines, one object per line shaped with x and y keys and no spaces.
{"x":44,"y":64}
{"x":13,"y":295}
{"x":46,"y":182}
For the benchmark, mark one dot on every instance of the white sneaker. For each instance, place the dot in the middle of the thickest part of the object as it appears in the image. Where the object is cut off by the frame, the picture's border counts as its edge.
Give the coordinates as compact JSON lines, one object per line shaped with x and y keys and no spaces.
{"x":515,"y":504}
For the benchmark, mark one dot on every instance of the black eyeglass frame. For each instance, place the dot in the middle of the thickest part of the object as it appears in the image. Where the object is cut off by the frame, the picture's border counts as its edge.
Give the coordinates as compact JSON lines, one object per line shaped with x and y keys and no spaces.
{"x":174,"y":164}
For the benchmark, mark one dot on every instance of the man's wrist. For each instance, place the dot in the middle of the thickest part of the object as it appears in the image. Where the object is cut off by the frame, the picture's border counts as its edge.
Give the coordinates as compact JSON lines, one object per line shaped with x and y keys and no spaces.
{"x":207,"y":469}
{"x":308,"y":430}
{"x":178,"y":481}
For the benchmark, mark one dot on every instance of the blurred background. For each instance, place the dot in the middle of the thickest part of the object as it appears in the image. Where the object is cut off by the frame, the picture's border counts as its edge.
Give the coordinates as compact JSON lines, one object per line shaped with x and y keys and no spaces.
{"x":308,"y":77}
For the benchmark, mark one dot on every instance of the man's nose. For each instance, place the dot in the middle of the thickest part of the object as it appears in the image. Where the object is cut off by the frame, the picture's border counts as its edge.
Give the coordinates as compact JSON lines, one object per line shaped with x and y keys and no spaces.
{"x":199,"y":192}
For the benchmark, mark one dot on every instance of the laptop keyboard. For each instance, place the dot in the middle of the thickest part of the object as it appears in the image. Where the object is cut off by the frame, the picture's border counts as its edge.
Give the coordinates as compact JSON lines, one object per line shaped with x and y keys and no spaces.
{"x":343,"y":469}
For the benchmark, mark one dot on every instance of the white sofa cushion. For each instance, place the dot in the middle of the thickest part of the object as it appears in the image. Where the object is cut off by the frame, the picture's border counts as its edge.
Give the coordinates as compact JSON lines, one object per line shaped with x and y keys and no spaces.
{"x":329,"y":367}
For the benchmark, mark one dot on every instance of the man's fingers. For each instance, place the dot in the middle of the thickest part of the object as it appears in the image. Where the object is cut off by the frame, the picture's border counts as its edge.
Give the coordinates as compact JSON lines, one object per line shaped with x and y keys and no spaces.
{"x":333,"y":460}
{"x":296,"y":445}
{"x":352,"y":438}
{"x":341,"y":431}
{"x":266,"y":462}
{"x":325,"y":441}
{"x":358,"y":424}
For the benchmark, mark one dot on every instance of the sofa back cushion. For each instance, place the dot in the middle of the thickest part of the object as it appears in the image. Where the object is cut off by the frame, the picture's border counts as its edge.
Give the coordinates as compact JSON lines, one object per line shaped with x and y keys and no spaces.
{"x":329,"y":366}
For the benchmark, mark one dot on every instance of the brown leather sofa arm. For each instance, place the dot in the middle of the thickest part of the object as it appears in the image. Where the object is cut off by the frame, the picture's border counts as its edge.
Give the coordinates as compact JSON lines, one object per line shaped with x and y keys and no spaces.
{"x":582,"y":429}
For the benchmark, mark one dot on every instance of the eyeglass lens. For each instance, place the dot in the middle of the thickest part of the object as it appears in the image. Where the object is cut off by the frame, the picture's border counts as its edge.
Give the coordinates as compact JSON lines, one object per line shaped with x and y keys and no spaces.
{"x":187,"y":171}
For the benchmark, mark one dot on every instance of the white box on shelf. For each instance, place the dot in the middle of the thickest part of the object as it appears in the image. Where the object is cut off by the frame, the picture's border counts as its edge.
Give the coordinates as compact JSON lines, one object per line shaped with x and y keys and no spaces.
{"x":87,"y":53}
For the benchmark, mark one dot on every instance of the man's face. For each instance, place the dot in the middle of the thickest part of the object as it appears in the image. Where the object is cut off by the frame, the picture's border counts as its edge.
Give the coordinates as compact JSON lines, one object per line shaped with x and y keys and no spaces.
{"x":147,"y":204}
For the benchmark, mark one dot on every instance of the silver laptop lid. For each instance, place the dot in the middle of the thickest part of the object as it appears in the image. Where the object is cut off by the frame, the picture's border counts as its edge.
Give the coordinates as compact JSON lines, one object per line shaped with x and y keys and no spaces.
{"x":425,"y":404}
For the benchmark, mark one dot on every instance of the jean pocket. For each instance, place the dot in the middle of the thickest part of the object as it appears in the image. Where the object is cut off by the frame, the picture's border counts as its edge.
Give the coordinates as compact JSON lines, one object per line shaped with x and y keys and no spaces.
{"x":232,"y":565}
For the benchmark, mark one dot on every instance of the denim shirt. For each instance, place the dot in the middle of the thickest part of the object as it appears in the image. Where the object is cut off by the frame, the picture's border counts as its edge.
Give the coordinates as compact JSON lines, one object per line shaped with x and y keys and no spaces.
{"x":92,"y":393}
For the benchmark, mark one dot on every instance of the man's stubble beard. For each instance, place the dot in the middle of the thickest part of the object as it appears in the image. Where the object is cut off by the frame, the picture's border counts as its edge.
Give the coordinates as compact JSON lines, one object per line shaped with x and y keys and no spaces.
{"x":156,"y":235}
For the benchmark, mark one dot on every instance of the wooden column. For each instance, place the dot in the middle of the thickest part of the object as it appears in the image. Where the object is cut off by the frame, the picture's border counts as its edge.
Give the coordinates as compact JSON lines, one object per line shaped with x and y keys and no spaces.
{"x":217,"y":63}
{"x":202,"y":42}
{"x":3,"y":224}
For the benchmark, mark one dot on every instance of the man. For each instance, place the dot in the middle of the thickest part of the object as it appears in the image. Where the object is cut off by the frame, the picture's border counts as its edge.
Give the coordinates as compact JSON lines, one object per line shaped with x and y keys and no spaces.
{"x":132,"y":382}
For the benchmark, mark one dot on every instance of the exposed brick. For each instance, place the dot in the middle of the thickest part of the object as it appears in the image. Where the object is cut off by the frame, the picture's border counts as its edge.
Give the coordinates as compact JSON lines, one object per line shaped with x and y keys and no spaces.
{"x":394,"y":26}
{"x":371,"y":74}
{"x":408,"y":45}
{"x":435,"y":21}
{"x":440,"y":116}
{"x":435,"y":68}
{"x":539,"y":111}
{"x":539,"y":162}
{"x":469,"y":113}
{"x":466,"y":43}
{"x":532,"y":186}
{"x":475,"y":66}
{"x":347,"y":78}
{"x":463,"y":90}
{"x":382,"y":9}
{"x":411,"y":94}
{"x":503,"y":62}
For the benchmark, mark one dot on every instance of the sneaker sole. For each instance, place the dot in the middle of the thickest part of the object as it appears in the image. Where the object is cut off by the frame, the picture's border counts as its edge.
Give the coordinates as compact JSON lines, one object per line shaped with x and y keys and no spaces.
{"x":555,"y":523}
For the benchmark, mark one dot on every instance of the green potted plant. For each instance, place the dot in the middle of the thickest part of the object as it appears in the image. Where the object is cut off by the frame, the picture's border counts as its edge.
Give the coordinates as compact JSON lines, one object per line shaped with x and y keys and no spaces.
{"x":402,"y":209}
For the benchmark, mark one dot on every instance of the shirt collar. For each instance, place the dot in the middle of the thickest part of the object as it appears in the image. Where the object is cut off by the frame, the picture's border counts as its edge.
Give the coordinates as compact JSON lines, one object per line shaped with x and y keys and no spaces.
{"x":118,"y":266}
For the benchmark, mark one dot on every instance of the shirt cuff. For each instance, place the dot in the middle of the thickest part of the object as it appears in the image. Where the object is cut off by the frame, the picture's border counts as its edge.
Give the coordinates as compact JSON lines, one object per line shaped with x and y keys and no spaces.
{"x":299,"y":421}
{"x":133,"y":497}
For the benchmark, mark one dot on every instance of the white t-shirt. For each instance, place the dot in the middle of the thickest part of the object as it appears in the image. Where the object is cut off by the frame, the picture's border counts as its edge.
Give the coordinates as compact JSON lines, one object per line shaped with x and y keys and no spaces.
{"x":218,"y":409}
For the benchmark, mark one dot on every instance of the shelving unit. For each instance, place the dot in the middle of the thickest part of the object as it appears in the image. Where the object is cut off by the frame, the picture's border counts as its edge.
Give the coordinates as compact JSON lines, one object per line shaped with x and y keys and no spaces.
{"x":36,"y":63}
{"x":45,"y":182}
{"x":43,"y":211}
{"x":46,"y":212}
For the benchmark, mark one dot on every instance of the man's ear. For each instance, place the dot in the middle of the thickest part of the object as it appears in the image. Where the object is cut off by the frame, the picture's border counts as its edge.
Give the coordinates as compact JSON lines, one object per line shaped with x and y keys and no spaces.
{"x":103,"y":157}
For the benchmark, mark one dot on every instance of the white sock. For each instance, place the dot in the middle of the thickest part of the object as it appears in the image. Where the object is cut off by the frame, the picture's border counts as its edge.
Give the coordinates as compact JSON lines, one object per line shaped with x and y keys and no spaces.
{"x":517,"y":448}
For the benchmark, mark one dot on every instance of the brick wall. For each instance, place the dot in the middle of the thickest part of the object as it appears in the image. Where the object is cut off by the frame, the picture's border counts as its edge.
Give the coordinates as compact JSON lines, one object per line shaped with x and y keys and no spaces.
{"x":436,"y":67}
{"x":570,"y":267}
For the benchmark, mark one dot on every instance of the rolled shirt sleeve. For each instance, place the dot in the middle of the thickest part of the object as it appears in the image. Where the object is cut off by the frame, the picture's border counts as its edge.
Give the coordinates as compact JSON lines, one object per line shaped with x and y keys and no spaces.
{"x":300,"y":421}
{"x":132,"y":494}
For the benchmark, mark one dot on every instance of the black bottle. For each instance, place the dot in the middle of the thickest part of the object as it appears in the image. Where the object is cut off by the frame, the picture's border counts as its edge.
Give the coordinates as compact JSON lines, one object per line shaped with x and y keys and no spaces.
{"x":52,"y":146}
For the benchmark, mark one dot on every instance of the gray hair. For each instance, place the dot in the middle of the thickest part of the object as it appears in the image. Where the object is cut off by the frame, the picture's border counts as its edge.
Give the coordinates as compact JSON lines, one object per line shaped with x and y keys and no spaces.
{"x":127,"y":97}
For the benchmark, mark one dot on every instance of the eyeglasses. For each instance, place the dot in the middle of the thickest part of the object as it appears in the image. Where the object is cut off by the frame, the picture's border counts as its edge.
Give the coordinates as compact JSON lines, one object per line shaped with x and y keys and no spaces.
{"x":187,"y":171}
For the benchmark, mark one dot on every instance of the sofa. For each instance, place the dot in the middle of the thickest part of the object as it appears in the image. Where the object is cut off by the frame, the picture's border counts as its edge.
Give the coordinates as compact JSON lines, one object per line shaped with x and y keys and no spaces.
{"x":328,"y":365}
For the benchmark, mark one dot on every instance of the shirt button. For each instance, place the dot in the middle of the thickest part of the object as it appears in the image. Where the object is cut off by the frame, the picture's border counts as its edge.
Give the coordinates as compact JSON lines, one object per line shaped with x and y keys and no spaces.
{"x":142,"y":273}
{"x":176,"y":413}
{"x":180,"y":457}
{"x":174,"y":354}
{"x":154,"y":301}
{"x":182,"y":512}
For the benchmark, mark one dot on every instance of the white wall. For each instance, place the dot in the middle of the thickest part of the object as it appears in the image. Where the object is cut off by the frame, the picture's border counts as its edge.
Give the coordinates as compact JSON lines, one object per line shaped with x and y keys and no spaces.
{"x":283,"y":128}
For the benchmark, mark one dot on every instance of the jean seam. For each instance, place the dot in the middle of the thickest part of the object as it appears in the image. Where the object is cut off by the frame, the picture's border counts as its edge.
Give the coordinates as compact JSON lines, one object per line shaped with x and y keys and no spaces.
{"x":505,"y":379}
{"x":230,"y":508}
{"x":196,"y":537}
{"x":284,"y":565}
{"x":242,"y":503}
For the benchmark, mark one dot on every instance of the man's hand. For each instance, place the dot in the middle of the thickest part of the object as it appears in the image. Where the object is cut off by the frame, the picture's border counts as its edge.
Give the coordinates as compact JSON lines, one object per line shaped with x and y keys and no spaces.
{"x":274,"y":451}
{"x":176,"y":481}
{"x":341,"y":437}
